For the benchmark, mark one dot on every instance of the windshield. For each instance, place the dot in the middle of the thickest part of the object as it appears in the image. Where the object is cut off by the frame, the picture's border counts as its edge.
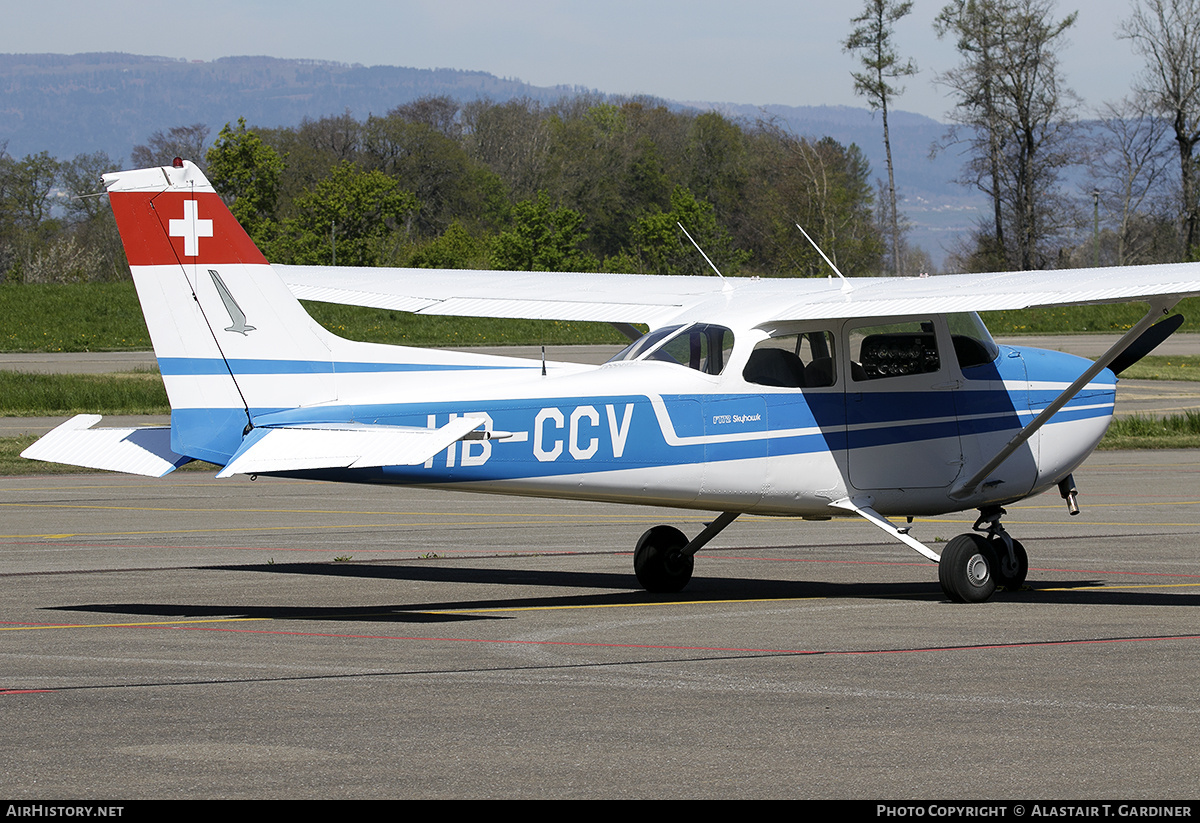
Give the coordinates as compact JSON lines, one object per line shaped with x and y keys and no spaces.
{"x":700,"y":346}
{"x":643,"y":344}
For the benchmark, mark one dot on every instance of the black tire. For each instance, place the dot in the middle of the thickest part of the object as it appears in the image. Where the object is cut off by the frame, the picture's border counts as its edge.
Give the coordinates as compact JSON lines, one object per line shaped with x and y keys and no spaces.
{"x":966,"y":570}
{"x":657,"y":561}
{"x":1009,"y":577}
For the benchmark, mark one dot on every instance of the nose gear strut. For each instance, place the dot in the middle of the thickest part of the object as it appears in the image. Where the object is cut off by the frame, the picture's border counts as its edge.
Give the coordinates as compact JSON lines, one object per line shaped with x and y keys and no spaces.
{"x":1012,"y":564}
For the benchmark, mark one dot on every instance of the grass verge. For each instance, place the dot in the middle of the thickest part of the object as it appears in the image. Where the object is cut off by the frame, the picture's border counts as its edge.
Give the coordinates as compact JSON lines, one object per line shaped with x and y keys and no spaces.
{"x":1157,"y":367}
{"x":24,"y":394}
{"x":1110,"y":317}
{"x":1175,"y":431}
{"x":107,"y":317}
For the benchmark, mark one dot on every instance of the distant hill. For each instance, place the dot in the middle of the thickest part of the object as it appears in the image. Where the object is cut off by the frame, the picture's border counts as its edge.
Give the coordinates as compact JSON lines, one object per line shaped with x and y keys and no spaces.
{"x":68,"y":104}
{"x":81,"y":103}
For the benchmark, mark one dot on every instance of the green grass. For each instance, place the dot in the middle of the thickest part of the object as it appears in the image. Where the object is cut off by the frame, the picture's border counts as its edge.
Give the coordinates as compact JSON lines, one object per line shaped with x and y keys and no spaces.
{"x":1156,"y":367}
{"x":11,"y":462}
{"x":1113,"y":317}
{"x":1175,"y":431}
{"x":106,"y":317}
{"x":43,"y":395}
{"x":76,"y":317}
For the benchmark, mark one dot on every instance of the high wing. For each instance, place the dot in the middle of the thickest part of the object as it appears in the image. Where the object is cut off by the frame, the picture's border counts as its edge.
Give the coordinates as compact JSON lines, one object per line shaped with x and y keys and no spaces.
{"x":614,"y":298}
{"x":657,"y":300}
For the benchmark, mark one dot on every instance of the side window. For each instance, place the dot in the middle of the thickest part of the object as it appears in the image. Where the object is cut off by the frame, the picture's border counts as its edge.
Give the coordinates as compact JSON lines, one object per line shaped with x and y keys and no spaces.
{"x":973,"y":345}
{"x":793,"y":361}
{"x":703,"y":347}
{"x":893,"y":350}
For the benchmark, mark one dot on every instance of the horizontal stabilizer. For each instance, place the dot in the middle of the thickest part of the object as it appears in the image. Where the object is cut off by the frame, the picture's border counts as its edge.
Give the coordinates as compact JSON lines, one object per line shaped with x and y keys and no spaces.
{"x":145,"y":451}
{"x":343,"y":446}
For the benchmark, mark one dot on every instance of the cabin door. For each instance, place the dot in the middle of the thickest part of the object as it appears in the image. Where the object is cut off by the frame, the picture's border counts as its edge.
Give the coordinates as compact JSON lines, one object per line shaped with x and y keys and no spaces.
{"x":901,"y":423}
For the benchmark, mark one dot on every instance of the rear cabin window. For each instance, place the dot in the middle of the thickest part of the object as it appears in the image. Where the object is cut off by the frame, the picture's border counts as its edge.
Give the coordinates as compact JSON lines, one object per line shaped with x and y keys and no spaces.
{"x":793,"y":361}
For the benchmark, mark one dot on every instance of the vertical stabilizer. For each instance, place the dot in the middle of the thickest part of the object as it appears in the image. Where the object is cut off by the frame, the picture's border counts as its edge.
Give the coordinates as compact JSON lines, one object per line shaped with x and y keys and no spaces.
{"x":231,"y":340}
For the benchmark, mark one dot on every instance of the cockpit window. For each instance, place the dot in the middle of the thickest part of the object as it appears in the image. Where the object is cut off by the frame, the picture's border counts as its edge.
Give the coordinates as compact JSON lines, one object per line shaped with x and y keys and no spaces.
{"x":893,"y":350}
{"x":973,"y":344}
{"x":700,"y":346}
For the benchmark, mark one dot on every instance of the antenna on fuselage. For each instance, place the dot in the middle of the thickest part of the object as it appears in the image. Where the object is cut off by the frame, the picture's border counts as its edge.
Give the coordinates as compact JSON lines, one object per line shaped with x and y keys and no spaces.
{"x":702,"y":254}
{"x":818,"y":248}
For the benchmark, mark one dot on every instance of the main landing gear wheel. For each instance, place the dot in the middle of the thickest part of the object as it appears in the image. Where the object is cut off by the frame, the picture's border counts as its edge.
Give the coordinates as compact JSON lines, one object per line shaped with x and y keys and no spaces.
{"x":1010,"y":575}
{"x":658,"y":562}
{"x":966,"y":570}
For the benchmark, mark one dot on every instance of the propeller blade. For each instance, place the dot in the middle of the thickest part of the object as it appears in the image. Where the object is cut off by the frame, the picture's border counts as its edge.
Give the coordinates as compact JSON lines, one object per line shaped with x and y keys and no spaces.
{"x":1145,"y":344}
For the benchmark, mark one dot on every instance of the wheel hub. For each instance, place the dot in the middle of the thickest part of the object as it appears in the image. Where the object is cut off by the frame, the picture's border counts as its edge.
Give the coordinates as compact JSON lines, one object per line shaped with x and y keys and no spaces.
{"x":977,"y":570}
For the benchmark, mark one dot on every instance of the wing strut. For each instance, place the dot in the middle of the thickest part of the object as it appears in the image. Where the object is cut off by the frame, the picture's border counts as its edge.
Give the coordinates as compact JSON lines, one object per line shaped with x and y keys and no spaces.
{"x":1158,"y":308}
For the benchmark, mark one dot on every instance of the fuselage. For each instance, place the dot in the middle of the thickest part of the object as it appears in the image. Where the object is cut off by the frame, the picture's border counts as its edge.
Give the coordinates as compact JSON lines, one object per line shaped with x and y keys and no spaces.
{"x":896,"y":410}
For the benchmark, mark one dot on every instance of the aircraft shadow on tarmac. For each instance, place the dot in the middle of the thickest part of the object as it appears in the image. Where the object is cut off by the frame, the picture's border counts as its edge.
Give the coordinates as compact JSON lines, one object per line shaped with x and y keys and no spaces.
{"x":1042,"y":592}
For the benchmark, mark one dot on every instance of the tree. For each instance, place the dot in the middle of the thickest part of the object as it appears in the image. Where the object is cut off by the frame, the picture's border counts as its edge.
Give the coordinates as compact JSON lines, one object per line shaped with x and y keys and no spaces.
{"x":1017,"y":116}
{"x":438,"y":112}
{"x":872,"y":37}
{"x":1167,"y":34}
{"x":180,"y":141}
{"x":454,"y":249}
{"x":246,"y":172}
{"x":1128,"y":166}
{"x":352,"y":211}
{"x":542,"y":239}
{"x":821,"y":185}
{"x":511,"y":139}
{"x":90,"y":215}
{"x":448,"y":183}
{"x":659,"y":247}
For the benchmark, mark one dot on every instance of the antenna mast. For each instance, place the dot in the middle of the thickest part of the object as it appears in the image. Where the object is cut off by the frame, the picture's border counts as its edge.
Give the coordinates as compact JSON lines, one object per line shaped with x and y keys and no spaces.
{"x":818,"y":248}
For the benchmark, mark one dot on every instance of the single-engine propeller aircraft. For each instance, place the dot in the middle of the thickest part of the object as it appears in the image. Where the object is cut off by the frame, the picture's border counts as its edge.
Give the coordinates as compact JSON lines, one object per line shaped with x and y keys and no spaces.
{"x":872,"y":397}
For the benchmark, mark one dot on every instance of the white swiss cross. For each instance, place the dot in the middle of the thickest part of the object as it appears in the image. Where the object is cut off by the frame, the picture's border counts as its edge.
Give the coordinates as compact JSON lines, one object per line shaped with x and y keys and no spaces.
{"x":190,"y":229}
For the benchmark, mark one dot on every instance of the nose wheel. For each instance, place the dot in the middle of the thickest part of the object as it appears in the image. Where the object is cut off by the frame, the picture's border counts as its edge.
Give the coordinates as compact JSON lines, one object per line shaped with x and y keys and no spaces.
{"x":966,"y":570}
{"x":974,"y":565}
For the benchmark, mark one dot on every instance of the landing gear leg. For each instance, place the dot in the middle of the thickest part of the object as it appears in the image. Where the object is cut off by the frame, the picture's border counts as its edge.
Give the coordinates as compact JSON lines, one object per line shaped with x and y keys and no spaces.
{"x":1012,"y":562}
{"x":974,"y":565}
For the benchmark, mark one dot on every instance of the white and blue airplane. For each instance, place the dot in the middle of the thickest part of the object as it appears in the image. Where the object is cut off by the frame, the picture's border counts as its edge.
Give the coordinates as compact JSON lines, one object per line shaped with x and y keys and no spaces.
{"x":872,"y":397}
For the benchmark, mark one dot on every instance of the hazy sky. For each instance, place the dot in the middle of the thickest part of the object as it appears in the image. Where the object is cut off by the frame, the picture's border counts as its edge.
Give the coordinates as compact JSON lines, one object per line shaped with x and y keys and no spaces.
{"x":754,"y":51}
